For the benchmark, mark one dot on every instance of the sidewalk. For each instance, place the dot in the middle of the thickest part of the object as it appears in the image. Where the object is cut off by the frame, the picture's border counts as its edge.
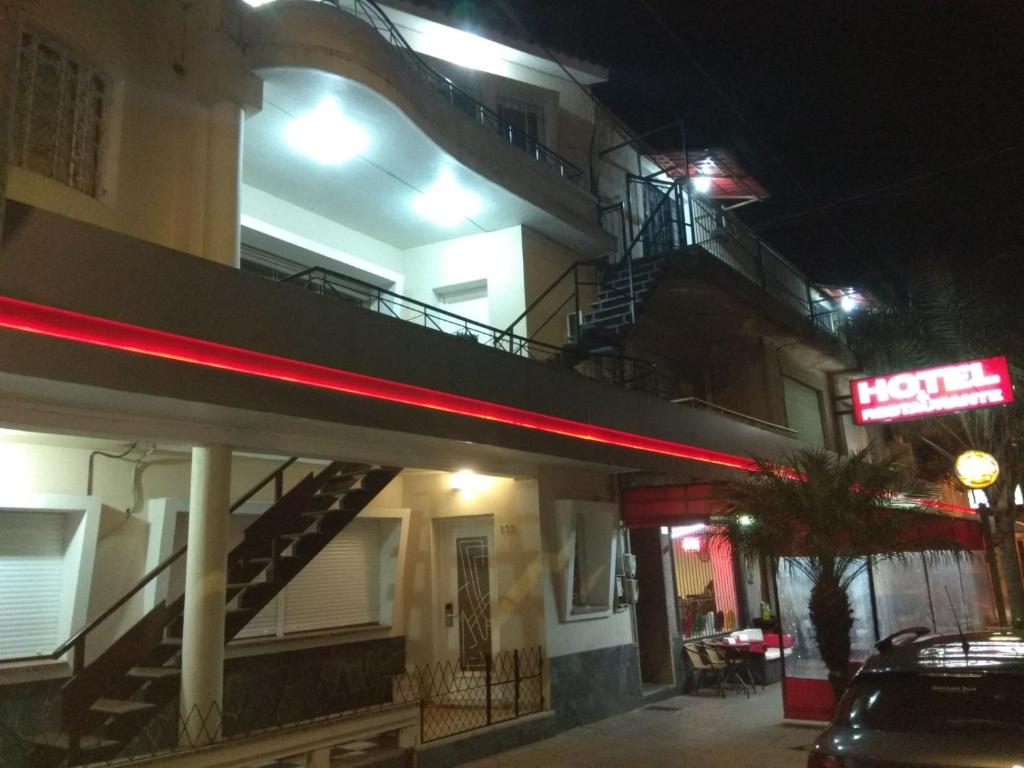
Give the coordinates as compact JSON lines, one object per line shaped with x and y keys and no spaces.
{"x":704,"y":730}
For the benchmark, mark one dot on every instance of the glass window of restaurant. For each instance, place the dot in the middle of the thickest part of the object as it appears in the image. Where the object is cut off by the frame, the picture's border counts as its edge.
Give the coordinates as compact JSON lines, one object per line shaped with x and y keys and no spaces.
{"x":705,"y":581}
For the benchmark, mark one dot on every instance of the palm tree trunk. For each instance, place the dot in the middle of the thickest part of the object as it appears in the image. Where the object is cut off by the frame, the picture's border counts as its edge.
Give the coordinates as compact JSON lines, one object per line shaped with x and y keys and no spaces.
{"x":832,"y":617}
{"x":1009,"y":565}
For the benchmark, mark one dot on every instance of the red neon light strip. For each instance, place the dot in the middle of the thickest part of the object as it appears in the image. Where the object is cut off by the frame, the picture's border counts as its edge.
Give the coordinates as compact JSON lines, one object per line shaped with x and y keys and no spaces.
{"x":89,"y":329}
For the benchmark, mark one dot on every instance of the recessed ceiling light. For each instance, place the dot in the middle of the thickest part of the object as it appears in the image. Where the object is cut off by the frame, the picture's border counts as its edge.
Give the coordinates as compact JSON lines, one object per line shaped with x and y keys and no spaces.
{"x":326,"y":135}
{"x":447,"y":204}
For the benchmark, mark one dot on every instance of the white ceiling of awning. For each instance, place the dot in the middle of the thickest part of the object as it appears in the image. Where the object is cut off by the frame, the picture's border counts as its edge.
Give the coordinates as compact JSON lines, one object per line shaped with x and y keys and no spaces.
{"x":372,"y":193}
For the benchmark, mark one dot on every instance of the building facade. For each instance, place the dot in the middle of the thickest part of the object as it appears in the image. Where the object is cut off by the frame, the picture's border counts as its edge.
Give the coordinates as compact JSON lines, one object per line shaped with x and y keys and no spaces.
{"x":337,"y":331}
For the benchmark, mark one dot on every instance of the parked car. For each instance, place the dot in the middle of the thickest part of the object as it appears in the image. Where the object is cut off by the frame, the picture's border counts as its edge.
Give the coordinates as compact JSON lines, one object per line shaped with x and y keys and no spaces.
{"x":926,"y":701}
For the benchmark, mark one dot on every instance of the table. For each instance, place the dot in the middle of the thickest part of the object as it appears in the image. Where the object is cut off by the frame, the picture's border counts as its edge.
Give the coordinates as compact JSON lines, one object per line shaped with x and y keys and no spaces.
{"x":737,"y":667}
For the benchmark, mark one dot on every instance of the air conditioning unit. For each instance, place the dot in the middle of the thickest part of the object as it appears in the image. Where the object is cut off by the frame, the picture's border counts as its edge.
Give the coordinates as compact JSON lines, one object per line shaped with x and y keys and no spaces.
{"x":573,"y":321}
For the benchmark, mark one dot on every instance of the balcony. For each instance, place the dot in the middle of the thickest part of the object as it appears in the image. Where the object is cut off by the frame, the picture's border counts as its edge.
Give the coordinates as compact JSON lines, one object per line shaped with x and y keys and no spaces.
{"x":410,"y":394}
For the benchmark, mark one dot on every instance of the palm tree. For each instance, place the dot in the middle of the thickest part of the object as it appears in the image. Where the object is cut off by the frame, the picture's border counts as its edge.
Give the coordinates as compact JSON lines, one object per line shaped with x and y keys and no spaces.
{"x":823,"y":515}
{"x":957,"y":310}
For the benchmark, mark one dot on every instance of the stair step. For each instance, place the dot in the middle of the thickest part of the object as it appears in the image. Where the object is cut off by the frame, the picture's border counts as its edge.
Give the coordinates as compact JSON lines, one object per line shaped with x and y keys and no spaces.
{"x":154,"y":673}
{"x":119,"y":707}
{"x":62,"y":740}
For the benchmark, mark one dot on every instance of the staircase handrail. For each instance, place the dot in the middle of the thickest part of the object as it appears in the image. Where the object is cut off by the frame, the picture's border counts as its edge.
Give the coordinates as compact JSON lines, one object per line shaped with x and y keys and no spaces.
{"x":374,"y":13}
{"x":78,"y":638}
{"x":546,"y":292}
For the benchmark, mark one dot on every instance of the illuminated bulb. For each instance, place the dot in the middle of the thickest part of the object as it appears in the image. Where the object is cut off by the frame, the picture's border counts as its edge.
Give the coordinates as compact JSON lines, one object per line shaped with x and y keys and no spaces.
{"x":326,"y":135}
{"x":847,"y":304}
{"x":745,"y":520}
{"x":679,"y":531}
{"x":445,"y":203}
{"x":258,"y":3}
{"x":702,"y":183}
{"x":691,"y":544}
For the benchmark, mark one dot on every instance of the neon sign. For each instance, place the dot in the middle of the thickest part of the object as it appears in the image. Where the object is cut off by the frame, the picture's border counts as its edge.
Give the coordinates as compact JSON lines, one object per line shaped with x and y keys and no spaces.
{"x":932,"y":391}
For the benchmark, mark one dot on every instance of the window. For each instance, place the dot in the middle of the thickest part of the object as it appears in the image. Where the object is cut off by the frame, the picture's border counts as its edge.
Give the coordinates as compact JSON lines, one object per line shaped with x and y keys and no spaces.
{"x":341,"y":587}
{"x":803,"y":412}
{"x":705,"y":581}
{"x":524,"y":122}
{"x":32,"y":546}
{"x":587,"y":534}
{"x":468,"y":300}
{"x":58,"y":115}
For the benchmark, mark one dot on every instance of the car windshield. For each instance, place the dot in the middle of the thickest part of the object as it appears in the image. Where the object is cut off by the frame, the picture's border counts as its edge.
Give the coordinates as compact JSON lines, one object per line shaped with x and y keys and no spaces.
{"x":919,"y":703}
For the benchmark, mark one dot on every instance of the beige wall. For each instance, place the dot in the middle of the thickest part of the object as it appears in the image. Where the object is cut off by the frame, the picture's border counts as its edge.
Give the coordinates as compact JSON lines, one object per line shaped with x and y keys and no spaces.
{"x":510,"y":504}
{"x":153,"y":158}
{"x":543,"y":262}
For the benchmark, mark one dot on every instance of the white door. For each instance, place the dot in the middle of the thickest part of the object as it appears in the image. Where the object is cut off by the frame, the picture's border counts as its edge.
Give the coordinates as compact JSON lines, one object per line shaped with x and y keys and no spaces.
{"x":468,"y":589}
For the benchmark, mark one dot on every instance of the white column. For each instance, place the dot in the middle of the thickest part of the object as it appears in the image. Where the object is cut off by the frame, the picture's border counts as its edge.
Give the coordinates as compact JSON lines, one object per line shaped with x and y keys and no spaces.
{"x":221,"y":217}
{"x":202,"y":647}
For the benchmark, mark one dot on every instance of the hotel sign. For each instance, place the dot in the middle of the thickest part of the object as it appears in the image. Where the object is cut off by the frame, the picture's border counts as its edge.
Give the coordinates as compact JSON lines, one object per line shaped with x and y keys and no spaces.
{"x":932,"y":391}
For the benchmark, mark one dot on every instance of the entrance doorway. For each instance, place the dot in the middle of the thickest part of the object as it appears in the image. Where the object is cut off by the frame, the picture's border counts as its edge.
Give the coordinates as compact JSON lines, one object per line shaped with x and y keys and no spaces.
{"x":655,"y":612}
{"x":468,"y":589}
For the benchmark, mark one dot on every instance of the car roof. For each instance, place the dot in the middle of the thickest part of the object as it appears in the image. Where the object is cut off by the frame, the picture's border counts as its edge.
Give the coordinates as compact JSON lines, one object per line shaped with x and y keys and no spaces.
{"x":996,"y":651}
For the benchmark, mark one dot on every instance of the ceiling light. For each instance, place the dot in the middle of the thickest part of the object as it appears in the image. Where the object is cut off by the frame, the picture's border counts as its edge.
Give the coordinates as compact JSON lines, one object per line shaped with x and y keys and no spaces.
{"x":257,"y":3}
{"x":745,"y":520}
{"x":847,"y":303}
{"x":445,"y":203}
{"x":326,"y":135}
{"x":702,"y":183}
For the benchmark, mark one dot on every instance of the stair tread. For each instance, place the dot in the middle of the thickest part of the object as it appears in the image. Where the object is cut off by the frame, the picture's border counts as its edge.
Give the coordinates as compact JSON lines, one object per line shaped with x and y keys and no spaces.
{"x":119,"y":707}
{"x":62,"y":740}
{"x":154,"y":673}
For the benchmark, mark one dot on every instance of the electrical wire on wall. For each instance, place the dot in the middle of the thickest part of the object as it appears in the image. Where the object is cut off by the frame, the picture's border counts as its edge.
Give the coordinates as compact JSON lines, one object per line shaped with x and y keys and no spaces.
{"x":139,"y":466}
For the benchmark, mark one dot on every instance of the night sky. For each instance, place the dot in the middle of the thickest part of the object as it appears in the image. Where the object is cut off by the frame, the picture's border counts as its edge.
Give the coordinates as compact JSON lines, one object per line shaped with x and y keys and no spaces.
{"x":886,"y":132}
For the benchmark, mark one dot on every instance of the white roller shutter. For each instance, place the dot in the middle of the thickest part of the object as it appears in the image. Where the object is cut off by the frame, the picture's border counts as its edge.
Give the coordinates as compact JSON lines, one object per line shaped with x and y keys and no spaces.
{"x":31,"y":572}
{"x":341,"y":586}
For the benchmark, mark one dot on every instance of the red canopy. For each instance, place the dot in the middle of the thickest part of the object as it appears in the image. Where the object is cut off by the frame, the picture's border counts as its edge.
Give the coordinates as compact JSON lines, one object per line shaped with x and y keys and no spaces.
{"x":668,"y":505}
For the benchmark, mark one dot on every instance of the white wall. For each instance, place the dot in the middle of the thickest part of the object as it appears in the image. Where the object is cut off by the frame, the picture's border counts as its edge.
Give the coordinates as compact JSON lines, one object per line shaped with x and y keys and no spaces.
{"x":577,"y":636}
{"x":494,"y":257}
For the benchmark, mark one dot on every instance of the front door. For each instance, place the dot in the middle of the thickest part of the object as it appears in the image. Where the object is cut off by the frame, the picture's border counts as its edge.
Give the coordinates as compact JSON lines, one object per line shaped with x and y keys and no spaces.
{"x":468,"y":550}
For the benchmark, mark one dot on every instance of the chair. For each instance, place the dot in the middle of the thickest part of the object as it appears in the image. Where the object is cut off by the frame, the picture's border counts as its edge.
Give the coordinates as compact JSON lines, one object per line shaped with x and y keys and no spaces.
{"x":704,"y":666}
{"x":734,"y":665}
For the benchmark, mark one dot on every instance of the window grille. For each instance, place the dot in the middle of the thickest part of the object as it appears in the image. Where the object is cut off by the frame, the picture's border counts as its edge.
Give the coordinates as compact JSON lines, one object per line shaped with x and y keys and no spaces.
{"x":58,"y":114}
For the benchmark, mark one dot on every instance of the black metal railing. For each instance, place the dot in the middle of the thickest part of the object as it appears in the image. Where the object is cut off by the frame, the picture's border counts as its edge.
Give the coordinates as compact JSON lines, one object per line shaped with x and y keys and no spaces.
{"x":661,"y":217}
{"x":456,"y":700}
{"x":618,"y":370}
{"x":703,"y":405}
{"x":77,"y":642}
{"x":451,"y":700}
{"x":372,"y":14}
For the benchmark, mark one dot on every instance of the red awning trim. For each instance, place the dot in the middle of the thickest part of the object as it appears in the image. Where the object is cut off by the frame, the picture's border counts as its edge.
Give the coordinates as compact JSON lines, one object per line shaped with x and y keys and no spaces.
{"x":672,"y":505}
{"x":667,"y":505}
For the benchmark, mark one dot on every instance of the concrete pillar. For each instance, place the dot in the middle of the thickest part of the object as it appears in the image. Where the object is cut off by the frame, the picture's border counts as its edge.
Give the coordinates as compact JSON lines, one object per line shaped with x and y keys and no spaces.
{"x":221,"y":218}
{"x":202,"y":647}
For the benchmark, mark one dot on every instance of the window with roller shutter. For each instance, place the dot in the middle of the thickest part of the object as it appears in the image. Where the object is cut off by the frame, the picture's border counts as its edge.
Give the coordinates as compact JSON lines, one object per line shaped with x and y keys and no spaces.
{"x":32,"y":548}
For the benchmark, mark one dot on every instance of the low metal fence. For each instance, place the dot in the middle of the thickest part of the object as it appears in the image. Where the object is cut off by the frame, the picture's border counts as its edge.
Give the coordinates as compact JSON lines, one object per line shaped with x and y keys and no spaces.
{"x":452,"y":700}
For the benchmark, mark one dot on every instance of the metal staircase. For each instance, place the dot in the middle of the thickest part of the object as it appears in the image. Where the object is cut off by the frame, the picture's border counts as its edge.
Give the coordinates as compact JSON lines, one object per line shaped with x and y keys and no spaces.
{"x":108,"y":701}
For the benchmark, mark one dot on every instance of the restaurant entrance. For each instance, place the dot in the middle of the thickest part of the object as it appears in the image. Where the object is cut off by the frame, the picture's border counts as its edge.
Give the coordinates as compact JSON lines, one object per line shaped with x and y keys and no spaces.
{"x":655,"y":611}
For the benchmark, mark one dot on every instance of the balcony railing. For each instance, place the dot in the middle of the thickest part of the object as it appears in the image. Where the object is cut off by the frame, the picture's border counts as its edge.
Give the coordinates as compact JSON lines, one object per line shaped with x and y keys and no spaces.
{"x":373,"y":14}
{"x":671,"y":218}
{"x":620,"y":370}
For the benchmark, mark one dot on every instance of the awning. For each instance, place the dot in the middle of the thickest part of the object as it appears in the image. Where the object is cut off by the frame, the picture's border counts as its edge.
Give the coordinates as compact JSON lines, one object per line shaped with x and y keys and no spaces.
{"x":670,"y":505}
{"x":667,"y":505}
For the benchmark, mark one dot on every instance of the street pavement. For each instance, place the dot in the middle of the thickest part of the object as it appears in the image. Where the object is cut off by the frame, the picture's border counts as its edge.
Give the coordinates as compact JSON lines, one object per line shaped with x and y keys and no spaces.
{"x":704,"y":731}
